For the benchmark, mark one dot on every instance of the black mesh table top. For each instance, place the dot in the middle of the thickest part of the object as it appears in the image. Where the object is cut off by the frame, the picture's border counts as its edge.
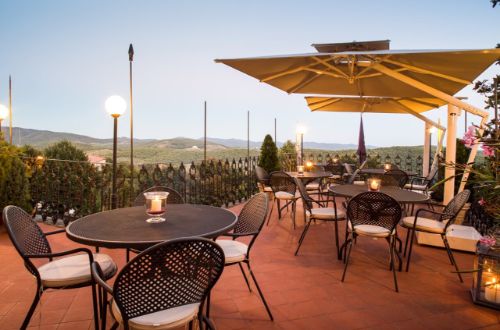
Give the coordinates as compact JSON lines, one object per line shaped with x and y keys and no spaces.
{"x":401,"y":195}
{"x":381,"y":171}
{"x":127,"y":227}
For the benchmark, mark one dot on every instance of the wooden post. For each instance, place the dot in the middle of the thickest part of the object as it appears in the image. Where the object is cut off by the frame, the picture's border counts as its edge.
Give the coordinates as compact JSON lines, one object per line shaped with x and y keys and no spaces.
{"x":10,"y":110}
{"x":427,"y":149}
{"x":248,"y":135}
{"x":205,"y":136}
{"x":451,"y":152}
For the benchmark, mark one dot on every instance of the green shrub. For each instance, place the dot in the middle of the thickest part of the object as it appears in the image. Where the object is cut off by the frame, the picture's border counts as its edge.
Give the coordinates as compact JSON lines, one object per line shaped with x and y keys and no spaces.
{"x":65,"y":150}
{"x":268,"y":158}
{"x":14,"y":187}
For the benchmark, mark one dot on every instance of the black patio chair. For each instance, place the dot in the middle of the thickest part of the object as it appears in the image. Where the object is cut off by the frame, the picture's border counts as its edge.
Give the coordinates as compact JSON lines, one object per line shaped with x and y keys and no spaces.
{"x":284,"y":189}
{"x":163,"y":287}
{"x":421,"y":183}
{"x":70,"y":271}
{"x":174,"y":197}
{"x":320,"y":213}
{"x":263,"y":180}
{"x":439,"y":225}
{"x":375,"y":215}
{"x":395,"y":177}
{"x":250,"y":222}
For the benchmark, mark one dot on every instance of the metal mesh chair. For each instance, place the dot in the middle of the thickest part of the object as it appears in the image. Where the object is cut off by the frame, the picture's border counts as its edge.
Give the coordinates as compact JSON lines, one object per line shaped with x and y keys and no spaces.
{"x":250,"y":223}
{"x":263,"y":180}
{"x":420,"y":183}
{"x":70,"y":271}
{"x":319,"y":213}
{"x":376,"y":215}
{"x":284,"y":188}
{"x":174,"y":197}
{"x":165,"y":286}
{"x":439,"y":225}
{"x":395,"y":177}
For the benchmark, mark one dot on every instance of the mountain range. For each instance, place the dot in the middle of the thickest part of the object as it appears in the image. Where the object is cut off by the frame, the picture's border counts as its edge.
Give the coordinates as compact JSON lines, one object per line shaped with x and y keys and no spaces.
{"x":43,"y":138}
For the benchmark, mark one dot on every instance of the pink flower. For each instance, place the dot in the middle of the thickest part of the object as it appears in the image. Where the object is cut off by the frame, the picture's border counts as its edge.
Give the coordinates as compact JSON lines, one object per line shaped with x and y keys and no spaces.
{"x":469,"y":138}
{"x":488,"y":151}
{"x":482,"y":202}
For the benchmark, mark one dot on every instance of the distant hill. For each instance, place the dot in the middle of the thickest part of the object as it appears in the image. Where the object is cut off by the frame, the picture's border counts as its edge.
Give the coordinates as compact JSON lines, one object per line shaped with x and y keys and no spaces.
{"x":239,"y":143}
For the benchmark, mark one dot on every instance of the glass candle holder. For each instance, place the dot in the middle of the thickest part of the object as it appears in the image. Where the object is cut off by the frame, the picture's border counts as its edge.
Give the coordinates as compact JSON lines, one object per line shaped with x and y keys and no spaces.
{"x":387,"y":167}
{"x":300,"y":169}
{"x":374,"y":184}
{"x":156,"y":205}
{"x":309,"y":165}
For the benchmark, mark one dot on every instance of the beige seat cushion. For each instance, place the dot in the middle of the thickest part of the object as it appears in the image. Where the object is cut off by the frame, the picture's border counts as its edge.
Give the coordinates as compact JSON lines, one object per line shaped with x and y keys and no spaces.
{"x":370,"y":230}
{"x":419,"y":187}
{"x":284,"y":195}
{"x":425,"y":224}
{"x":73,"y":270}
{"x":166,"y":319}
{"x":326,"y":213}
{"x":335,"y":177}
{"x":312,"y":186}
{"x":360,"y":183}
{"x":268,"y":189}
{"x":233,"y":250}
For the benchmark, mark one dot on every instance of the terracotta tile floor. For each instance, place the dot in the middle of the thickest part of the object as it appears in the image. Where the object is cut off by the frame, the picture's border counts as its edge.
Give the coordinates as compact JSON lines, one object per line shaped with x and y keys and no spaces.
{"x":304,"y":292}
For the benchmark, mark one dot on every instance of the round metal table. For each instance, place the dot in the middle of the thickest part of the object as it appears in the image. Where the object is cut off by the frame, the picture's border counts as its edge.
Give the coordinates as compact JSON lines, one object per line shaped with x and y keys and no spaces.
{"x":400,"y":195}
{"x":127,"y":227}
{"x":381,"y":171}
{"x":310,"y":175}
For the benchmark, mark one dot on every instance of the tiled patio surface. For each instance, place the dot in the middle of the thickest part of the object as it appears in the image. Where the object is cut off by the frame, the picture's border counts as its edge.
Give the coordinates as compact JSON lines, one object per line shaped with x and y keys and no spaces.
{"x":304,"y":292}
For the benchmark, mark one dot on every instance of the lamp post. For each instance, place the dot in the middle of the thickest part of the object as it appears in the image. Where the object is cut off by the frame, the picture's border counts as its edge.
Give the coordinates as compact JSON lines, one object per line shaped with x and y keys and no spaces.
{"x":131,"y":59}
{"x":4,"y":113}
{"x":431,"y":130}
{"x":301,"y":130}
{"x":115,"y":106}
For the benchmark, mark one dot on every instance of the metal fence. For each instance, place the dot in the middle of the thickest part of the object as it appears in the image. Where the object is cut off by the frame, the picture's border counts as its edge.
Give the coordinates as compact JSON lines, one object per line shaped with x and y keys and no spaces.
{"x":65,"y":190}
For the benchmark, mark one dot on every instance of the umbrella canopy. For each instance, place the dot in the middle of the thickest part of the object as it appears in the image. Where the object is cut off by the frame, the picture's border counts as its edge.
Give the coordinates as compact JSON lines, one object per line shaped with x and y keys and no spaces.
{"x":369,"y":72}
{"x":373,"y":104}
{"x":361,"y":143}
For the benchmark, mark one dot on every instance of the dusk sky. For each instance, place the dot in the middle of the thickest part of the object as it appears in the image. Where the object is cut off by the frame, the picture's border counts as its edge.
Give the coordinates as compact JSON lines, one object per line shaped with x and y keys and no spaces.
{"x":67,"y":57}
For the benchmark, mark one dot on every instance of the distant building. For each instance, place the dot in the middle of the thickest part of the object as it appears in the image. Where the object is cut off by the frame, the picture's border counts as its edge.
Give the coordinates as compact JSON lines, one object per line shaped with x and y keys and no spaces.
{"x":97,"y":161}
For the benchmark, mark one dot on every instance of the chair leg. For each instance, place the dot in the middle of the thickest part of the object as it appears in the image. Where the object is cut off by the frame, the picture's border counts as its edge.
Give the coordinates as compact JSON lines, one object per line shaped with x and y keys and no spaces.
{"x":260,"y":292}
{"x":271,"y":212}
{"x":208,"y":305}
{"x":104,"y":308}
{"x":115,"y":326}
{"x":348,"y":248}
{"x":294,"y":208}
{"x":392,"y":247}
{"x":127,"y":255}
{"x":407,"y":239}
{"x":245,"y":276}
{"x":304,"y":232}
{"x":337,"y":243}
{"x":27,"y":319}
{"x":412,"y":238}
{"x":94,"y":306}
{"x":445,"y":241}
{"x":279,"y":208}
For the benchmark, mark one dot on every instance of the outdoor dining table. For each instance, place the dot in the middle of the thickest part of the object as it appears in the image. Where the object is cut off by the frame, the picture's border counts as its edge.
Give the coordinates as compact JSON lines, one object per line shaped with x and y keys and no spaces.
{"x":310,"y":176}
{"x":400,"y":195}
{"x":127,"y":227}
{"x":381,"y":171}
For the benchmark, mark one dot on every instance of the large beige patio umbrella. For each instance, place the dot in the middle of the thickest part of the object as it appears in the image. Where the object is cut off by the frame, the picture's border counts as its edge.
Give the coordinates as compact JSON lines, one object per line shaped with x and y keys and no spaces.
{"x":382,"y":72}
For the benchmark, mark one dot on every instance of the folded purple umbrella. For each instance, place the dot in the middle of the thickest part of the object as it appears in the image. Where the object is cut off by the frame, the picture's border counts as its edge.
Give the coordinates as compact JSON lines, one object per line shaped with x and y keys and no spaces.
{"x":361,"y":143}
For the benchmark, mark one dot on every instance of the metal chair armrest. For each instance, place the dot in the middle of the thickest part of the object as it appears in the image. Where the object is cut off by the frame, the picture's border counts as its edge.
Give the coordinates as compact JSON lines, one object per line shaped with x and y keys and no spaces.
{"x":55,"y":232}
{"x":96,"y":272}
{"x":60,"y":254}
{"x":236,"y":235}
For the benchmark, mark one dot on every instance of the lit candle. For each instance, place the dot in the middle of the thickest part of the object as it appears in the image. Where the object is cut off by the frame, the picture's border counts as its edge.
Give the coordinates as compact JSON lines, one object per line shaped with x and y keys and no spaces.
{"x":492,"y":292}
{"x":156,"y":205}
{"x":300,"y":169}
{"x":309,"y":164}
{"x":374,"y":184}
{"x":387,"y":167}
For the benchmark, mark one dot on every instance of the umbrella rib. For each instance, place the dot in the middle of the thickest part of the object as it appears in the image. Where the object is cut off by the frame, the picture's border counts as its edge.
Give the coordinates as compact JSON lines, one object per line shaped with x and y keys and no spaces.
{"x":425,"y":71}
{"x":416,"y":100}
{"x":302,"y":84}
{"x":323,"y":103}
{"x":332,"y":67}
{"x":286,"y":72}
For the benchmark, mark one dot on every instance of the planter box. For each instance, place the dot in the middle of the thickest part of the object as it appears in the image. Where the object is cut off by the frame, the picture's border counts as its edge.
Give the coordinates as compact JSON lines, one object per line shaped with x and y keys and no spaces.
{"x":463,"y":238}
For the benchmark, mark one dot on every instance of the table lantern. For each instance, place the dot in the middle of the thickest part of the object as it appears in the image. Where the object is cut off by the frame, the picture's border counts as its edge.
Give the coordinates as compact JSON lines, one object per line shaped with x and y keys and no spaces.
{"x":387,"y":167}
{"x":486,"y":281}
{"x":156,"y":205}
{"x":309,"y":165}
{"x":300,"y":169}
{"x":374,"y":184}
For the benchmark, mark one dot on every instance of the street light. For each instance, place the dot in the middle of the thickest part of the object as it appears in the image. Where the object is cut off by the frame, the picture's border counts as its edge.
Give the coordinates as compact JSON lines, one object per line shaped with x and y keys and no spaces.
{"x":115,"y":106}
{"x":301,"y":130}
{"x":4,"y":113}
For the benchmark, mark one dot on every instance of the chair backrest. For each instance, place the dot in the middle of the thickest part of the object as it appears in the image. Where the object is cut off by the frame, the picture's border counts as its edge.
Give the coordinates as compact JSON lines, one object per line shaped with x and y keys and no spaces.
{"x":348,"y":168}
{"x":174,"y":197}
{"x":395,"y":177}
{"x":281,"y":181}
{"x":432,"y":172}
{"x":170,"y":274}
{"x":334,"y":168}
{"x":252,"y":216}
{"x":262,"y":175}
{"x":25,"y":234}
{"x":452,"y":209}
{"x":362,"y":166}
{"x":306,"y":199}
{"x":374,"y":208}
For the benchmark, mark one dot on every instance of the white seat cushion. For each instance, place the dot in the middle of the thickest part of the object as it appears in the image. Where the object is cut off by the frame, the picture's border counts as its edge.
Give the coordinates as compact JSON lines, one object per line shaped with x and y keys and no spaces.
{"x":312,"y":186}
{"x":360,"y":183}
{"x":335,"y":177}
{"x":268,"y":189}
{"x":73,"y":270}
{"x":370,"y":230}
{"x":233,"y":250}
{"x":419,"y":187}
{"x":166,"y":319}
{"x":425,"y":224}
{"x":326,"y":213}
{"x":284,"y":195}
